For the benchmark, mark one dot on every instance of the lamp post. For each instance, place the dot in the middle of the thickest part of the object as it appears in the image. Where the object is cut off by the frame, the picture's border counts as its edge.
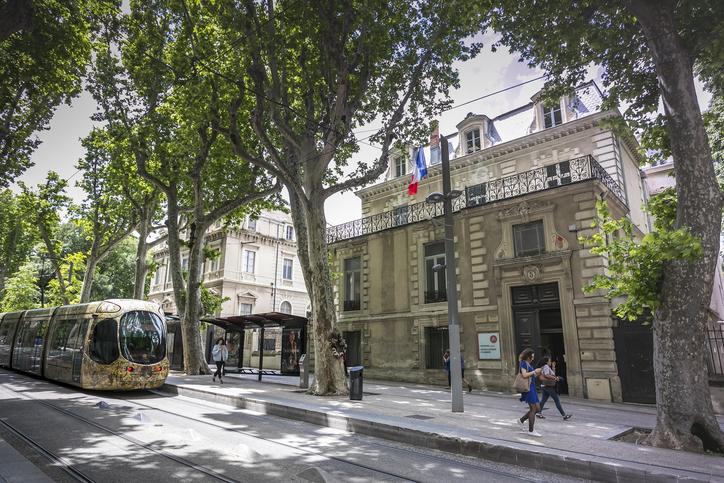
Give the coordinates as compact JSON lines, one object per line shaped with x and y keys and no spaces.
{"x":446,"y":197}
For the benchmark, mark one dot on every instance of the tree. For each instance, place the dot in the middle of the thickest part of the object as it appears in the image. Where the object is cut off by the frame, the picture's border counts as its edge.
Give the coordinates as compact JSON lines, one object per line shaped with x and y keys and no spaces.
{"x":156,"y":101}
{"x":304,"y":75}
{"x":21,"y":290}
{"x":17,"y":237}
{"x":115,"y":273}
{"x":45,"y":46}
{"x":649,"y":50}
{"x":106,"y":215}
{"x":42,"y":207}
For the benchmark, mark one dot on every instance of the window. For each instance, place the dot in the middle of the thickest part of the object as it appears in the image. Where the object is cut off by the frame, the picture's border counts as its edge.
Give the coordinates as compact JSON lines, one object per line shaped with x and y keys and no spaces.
{"x":157,"y":277}
{"x":352,"y":283}
{"x":245,"y":309}
{"x":214,"y":264}
{"x":472,"y":141}
{"x":435,"y":288}
{"x":251,"y":224}
{"x":184,"y":263}
{"x":104,"y":342}
{"x":249,"y":261}
{"x":400,"y":166}
{"x":285,"y":308}
{"x":143,"y":337}
{"x":270,"y":345}
{"x":400,"y":215}
{"x":528,"y":239}
{"x":436,"y":343}
{"x":435,"y":156}
{"x":287,"y":269}
{"x":289,"y":234}
{"x":552,"y":116}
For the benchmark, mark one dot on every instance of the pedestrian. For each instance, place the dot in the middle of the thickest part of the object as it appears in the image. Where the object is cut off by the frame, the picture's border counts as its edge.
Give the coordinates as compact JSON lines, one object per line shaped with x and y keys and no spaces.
{"x":220,"y":354}
{"x":446,"y":366}
{"x":549,"y":386}
{"x":527,"y":371}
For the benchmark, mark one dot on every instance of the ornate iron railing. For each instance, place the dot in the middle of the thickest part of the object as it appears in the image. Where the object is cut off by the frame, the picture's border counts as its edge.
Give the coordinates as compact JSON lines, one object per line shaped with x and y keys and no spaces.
{"x":539,"y":179}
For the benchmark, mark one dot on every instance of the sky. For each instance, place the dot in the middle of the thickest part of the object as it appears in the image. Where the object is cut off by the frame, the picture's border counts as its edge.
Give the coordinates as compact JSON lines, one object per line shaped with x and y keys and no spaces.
{"x":488,"y":72}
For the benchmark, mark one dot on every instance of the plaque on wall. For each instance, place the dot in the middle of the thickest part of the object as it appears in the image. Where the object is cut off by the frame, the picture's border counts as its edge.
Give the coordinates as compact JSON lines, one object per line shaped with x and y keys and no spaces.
{"x":488,"y":345}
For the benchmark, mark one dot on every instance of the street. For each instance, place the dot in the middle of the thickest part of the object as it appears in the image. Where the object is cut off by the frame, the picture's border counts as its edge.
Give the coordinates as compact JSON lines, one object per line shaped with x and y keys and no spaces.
{"x":147,"y":436}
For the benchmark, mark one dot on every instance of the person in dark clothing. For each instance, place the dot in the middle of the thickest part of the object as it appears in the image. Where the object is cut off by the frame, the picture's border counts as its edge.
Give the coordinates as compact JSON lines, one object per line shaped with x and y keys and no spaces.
{"x":549,"y":382}
{"x":220,"y":354}
{"x":446,"y":366}
{"x":531,"y":396}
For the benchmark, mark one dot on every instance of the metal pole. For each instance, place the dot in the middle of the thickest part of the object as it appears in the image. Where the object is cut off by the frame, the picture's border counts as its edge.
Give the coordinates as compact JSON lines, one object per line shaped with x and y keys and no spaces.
{"x":456,"y":377}
{"x":276,"y":272}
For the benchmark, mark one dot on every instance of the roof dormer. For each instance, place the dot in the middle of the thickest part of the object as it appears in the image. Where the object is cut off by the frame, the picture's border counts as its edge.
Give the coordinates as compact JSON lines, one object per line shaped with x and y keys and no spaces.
{"x":399,"y":162}
{"x":476,"y":132}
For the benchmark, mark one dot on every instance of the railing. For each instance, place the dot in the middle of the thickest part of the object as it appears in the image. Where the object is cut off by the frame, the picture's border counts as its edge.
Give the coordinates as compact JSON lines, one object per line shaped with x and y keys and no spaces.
{"x":538,"y":179}
{"x":435,"y":296}
{"x":351,"y":305}
{"x":715,"y":361}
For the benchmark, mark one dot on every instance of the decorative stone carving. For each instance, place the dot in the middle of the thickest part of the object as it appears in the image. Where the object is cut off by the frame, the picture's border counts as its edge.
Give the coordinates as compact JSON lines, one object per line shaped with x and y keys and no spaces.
{"x":523,"y":209}
{"x":531,"y":273}
{"x":559,"y":242}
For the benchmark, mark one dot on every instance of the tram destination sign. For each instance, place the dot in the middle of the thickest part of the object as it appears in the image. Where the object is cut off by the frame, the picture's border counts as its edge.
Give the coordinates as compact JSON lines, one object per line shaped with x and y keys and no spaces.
{"x":488,"y":345}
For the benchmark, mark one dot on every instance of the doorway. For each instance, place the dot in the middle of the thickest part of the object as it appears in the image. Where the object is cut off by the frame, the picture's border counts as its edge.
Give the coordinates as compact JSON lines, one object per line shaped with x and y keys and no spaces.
{"x":538,"y":325}
{"x":354,"y":347}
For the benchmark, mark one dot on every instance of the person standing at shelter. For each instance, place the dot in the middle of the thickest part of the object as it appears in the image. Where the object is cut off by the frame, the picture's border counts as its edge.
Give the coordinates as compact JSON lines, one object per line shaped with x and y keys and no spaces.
{"x":531,"y":396}
{"x":446,"y":366}
{"x":220,"y":354}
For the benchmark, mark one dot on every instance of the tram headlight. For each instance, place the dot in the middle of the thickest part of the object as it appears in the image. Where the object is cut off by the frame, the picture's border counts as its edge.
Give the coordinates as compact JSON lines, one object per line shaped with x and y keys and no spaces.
{"x":108,"y":307}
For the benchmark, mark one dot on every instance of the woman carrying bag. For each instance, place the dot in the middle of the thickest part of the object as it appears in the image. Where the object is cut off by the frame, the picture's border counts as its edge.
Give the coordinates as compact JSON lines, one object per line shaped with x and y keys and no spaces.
{"x":549,"y":382}
{"x":525,"y":382}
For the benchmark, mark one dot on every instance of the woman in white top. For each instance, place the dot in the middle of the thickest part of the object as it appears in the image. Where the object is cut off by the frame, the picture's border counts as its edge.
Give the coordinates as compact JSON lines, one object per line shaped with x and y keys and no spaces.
{"x":548,"y":380}
{"x":220,"y":354}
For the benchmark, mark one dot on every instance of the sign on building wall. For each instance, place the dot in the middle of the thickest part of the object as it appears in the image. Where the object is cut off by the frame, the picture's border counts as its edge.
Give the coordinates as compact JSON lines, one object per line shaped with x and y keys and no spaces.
{"x":488,"y":345}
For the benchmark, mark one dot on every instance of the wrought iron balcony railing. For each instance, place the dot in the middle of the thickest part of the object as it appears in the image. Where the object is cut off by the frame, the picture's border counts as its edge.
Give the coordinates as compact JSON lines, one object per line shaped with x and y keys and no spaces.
{"x":434,"y":296}
{"x":539,"y":179}
{"x":351,"y":305}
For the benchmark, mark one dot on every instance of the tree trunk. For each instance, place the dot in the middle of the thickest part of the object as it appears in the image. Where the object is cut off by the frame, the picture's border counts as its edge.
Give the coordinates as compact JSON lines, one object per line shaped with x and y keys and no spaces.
{"x":328,"y":368}
{"x":54,"y":260}
{"x":194,"y":359}
{"x":90,"y":270}
{"x":685,"y":416}
{"x":141,"y":265}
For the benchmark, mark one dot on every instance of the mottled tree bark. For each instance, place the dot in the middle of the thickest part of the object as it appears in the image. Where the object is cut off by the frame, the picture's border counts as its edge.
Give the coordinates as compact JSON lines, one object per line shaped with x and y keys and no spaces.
{"x":685,"y":416}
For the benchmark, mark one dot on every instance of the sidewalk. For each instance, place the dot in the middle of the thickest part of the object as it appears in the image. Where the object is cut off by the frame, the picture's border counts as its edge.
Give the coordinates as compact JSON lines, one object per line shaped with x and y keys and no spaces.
{"x":14,"y":467}
{"x":420,"y":415}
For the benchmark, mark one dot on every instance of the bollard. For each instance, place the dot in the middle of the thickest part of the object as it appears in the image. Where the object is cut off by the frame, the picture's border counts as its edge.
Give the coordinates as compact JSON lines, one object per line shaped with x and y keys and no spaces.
{"x":303,"y":372}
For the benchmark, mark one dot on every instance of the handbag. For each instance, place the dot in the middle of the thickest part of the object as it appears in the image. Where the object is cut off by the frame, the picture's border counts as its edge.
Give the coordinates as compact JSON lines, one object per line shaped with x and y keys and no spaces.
{"x":521,"y":384}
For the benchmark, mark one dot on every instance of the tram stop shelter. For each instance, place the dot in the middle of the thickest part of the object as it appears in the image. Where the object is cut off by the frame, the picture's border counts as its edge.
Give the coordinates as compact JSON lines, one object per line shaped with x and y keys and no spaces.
{"x":293,"y":343}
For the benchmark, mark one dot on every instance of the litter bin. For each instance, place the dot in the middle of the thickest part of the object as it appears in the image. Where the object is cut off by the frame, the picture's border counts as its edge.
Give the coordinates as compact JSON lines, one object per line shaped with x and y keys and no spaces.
{"x":355,"y":383}
{"x":303,"y":372}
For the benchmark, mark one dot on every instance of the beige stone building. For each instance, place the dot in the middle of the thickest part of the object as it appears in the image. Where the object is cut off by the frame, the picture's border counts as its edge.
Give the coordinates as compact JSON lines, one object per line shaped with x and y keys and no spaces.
{"x":530,"y":179}
{"x":258,"y":271}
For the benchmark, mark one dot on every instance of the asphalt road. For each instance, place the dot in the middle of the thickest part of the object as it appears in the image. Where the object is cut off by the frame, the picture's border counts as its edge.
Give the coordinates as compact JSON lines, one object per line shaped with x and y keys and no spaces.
{"x":145,"y":436}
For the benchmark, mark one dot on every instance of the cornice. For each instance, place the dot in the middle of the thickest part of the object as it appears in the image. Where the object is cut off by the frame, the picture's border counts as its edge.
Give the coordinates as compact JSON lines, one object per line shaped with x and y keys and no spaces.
{"x":491,"y":153}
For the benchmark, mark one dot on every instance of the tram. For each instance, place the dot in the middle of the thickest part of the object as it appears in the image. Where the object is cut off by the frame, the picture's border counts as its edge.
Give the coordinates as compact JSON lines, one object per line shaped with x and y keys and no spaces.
{"x":115,"y":345}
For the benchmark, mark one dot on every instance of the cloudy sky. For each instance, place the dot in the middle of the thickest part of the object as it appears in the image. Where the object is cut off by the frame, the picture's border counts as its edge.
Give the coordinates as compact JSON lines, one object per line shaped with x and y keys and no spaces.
{"x":489,"y":72}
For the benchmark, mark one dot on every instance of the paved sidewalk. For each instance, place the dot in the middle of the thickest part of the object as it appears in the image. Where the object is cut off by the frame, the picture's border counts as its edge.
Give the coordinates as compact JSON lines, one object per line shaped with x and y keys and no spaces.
{"x":420,"y":415}
{"x":14,"y":467}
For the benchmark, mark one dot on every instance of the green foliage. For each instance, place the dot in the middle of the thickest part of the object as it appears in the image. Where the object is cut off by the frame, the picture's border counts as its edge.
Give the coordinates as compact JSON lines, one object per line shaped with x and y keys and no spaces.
{"x":115,"y":274}
{"x":17,"y":236}
{"x":211,"y":301}
{"x":21,"y":290}
{"x":43,"y":63}
{"x":71,"y":268}
{"x":714,"y":122}
{"x":635,"y":267}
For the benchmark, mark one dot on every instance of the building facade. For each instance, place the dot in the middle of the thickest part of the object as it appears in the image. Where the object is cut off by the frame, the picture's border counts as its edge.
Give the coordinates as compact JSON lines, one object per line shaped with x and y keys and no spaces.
{"x":530,"y":179}
{"x":257,"y":271}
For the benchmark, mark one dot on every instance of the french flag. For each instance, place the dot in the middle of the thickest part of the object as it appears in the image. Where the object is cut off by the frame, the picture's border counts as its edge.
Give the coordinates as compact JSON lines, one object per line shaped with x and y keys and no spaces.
{"x":419,"y":171}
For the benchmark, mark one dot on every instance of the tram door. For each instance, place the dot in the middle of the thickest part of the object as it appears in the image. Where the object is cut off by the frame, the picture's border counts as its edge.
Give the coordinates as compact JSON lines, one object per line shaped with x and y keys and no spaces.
{"x":79,"y":348}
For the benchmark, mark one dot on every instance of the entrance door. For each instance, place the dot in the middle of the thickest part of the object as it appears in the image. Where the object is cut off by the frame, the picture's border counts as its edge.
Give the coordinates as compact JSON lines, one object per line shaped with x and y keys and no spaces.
{"x":538,"y":325}
{"x":354,"y":347}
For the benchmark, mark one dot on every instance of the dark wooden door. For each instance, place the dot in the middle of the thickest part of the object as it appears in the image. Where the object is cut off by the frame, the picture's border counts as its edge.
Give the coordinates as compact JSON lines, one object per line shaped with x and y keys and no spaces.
{"x":354,"y":348}
{"x":527,"y":330}
{"x":634,"y":358}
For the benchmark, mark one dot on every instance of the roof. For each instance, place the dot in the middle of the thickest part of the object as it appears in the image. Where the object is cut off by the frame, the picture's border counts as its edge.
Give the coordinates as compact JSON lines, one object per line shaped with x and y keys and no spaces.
{"x":254,"y":321}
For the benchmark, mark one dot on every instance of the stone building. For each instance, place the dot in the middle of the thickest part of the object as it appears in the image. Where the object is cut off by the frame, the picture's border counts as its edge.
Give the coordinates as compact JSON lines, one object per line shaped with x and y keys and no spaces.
{"x":257,"y":270}
{"x":530,"y":179}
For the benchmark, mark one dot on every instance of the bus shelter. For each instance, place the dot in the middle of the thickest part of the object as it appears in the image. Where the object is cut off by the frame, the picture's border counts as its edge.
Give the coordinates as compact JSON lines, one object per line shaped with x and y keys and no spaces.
{"x":293,"y":338}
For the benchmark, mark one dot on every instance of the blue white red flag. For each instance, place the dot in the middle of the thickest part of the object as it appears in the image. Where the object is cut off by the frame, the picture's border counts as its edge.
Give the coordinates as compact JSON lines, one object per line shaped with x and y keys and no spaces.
{"x":419,"y":171}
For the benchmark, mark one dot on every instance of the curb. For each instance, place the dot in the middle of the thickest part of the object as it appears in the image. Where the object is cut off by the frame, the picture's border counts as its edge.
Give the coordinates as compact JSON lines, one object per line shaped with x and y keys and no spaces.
{"x":577,"y":466}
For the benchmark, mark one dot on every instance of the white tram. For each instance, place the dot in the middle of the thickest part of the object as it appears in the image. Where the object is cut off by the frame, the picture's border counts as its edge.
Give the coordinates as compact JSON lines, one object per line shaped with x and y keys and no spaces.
{"x":109,"y":345}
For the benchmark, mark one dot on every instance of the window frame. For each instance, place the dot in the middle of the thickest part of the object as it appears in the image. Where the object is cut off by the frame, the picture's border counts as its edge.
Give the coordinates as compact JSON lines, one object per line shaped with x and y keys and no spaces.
{"x":289,"y":304}
{"x":433,"y":254}
{"x":472,"y":142}
{"x":247,"y":254}
{"x":518,"y":234}
{"x":289,"y":232}
{"x":287,"y":267}
{"x":251,"y":224}
{"x":549,"y":114}
{"x":400,"y":166}
{"x":245,"y":304}
{"x":352,"y":283}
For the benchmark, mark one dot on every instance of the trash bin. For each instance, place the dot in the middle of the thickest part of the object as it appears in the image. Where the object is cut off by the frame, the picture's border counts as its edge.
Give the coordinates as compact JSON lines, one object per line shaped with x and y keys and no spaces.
{"x":303,"y":372}
{"x":355,"y":383}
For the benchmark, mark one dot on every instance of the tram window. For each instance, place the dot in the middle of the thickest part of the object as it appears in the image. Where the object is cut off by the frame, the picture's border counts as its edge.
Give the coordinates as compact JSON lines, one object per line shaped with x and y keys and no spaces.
{"x":104,"y":343}
{"x":143,"y":337}
{"x":59,"y":343}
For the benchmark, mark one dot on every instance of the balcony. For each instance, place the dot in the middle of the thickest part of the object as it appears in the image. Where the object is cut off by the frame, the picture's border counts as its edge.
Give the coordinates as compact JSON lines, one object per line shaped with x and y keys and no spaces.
{"x":544,"y":178}
{"x":350,"y":305}
{"x":435,"y":296}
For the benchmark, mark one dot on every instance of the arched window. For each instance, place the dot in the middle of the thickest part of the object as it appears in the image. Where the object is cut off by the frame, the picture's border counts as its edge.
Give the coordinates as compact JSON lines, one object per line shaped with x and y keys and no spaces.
{"x":286,"y":308}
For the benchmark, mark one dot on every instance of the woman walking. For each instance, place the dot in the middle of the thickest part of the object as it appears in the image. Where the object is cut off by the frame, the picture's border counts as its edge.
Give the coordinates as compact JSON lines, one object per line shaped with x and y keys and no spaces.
{"x":220,"y":354}
{"x":531,"y":397}
{"x":549,"y":386}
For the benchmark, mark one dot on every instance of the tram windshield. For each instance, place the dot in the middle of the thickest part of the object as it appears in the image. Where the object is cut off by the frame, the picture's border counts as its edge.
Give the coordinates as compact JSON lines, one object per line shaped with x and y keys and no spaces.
{"x":143,"y":337}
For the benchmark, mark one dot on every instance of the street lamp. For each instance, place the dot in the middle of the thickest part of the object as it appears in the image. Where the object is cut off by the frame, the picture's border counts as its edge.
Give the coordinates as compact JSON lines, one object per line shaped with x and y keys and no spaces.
{"x":446,"y":197}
